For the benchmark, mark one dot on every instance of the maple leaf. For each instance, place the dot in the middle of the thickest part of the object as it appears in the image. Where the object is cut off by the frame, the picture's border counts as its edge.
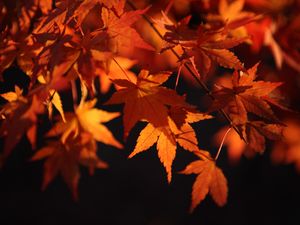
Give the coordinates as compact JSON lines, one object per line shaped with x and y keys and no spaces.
{"x":67,"y":47}
{"x":205,"y":45}
{"x":210,"y":179}
{"x":256,"y":132}
{"x":77,"y":144}
{"x":84,"y":8}
{"x":13,"y":96}
{"x":66,"y":51}
{"x":145,"y":99}
{"x":91,"y":118}
{"x":60,"y":16}
{"x":15,"y":45}
{"x":249,"y":96}
{"x":118,"y":28}
{"x":20,"y":117}
{"x":72,"y":51}
{"x":64,"y":159}
{"x":87,"y":119}
{"x":15,"y":39}
{"x":233,"y":16}
{"x":166,"y":137}
{"x":245,"y":95}
{"x":58,"y":55}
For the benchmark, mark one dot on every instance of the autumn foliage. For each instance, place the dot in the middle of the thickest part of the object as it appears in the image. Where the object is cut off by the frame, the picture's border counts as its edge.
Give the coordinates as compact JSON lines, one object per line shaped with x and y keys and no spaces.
{"x":243,"y":55}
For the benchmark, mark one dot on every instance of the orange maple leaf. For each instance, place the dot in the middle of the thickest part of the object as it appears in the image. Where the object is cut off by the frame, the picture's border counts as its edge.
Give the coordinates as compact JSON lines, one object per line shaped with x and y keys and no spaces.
{"x":64,"y":159}
{"x":166,"y":137}
{"x":77,"y":144}
{"x":20,"y":117}
{"x":14,"y":96}
{"x":145,"y":99}
{"x":232,"y":15}
{"x":244,"y":96}
{"x":205,"y":45}
{"x":117,"y":29}
{"x":86,"y":119}
{"x":210,"y":179}
{"x":86,"y":6}
{"x":247,"y":96}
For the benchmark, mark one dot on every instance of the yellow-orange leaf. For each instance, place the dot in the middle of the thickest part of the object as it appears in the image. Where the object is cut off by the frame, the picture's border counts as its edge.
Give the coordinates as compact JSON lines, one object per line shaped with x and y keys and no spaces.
{"x":148,"y":137}
{"x":10,"y":96}
{"x":166,"y":137}
{"x":87,"y":119}
{"x":91,"y":118}
{"x":13,"y":96}
{"x":56,"y":101}
{"x":166,"y":153}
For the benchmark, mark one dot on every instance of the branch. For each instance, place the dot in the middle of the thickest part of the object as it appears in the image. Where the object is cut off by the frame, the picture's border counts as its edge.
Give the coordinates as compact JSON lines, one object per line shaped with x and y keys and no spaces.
{"x":200,"y":82}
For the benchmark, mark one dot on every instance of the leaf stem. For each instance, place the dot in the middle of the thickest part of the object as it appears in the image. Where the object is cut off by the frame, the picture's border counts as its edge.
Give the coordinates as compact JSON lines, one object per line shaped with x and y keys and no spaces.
{"x":222,"y":143}
{"x":197,"y":79}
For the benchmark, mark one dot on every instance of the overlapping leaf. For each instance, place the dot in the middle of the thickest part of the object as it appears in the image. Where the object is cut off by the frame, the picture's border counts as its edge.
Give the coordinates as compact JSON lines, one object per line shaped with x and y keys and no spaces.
{"x":86,"y":119}
{"x":77,"y":144}
{"x":64,"y":159}
{"x":119,"y":28}
{"x":248,"y":96}
{"x":20,"y":117}
{"x":68,"y":47}
{"x":145,"y":99}
{"x":204,"y":45}
{"x":233,"y":17}
{"x":178,"y":130}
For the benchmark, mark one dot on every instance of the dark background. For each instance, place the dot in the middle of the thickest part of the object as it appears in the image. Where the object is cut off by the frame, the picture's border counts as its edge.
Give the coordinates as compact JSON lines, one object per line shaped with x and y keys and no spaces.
{"x":136,"y":192}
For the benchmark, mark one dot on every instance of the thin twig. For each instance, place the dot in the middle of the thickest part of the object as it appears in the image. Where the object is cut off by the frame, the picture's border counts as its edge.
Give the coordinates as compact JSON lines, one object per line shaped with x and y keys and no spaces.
{"x":221,"y":145}
{"x":200,"y":82}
